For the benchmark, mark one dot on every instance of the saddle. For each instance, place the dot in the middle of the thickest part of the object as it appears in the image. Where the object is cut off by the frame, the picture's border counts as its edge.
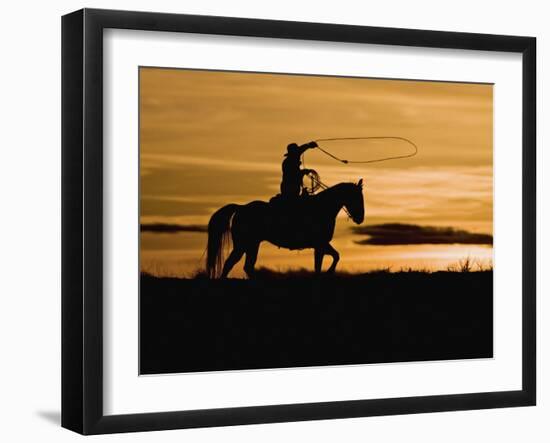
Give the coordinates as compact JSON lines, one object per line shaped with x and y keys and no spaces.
{"x":280,"y":202}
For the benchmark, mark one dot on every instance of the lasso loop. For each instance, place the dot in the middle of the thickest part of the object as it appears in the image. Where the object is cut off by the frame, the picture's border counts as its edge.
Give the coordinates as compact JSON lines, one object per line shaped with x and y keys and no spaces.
{"x":406,"y":140}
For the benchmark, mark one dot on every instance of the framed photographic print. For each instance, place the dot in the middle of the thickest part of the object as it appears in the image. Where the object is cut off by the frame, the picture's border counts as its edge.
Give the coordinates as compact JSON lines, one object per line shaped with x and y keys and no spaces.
{"x":269,"y":221}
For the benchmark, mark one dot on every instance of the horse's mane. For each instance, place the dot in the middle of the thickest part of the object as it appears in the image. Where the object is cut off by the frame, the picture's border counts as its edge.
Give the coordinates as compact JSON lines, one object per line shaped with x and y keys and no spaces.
{"x":336,"y":188}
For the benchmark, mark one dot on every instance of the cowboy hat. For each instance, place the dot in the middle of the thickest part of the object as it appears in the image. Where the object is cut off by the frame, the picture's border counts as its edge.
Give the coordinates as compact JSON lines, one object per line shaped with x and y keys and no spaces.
{"x":291,"y":149}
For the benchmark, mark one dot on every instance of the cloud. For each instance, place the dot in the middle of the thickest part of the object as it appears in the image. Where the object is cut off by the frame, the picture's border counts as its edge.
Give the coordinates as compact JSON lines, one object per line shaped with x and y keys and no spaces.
{"x":169,"y":228}
{"x":407,"y":234}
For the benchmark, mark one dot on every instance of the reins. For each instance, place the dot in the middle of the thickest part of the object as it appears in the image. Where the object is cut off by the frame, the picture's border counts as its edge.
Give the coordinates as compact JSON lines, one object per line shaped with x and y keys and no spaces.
{"x":315,"y":178}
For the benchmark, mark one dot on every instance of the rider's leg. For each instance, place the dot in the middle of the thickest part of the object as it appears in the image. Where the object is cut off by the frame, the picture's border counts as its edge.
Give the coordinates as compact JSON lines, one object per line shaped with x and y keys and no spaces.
{"x":231,"y":261}
{"x":318,"y":254}
{"x":250,"y":261}
{"x":335,"y":257}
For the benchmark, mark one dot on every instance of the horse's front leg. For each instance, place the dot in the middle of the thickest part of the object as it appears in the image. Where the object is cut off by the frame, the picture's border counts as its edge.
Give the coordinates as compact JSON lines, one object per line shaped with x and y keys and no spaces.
{"x":251,"y":257}
{"x":335,"y":257}
{"x":318,"y":254}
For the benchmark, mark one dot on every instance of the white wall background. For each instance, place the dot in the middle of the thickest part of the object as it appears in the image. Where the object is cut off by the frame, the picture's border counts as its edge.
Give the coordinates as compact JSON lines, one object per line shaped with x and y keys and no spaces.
{"x":30,"y":223}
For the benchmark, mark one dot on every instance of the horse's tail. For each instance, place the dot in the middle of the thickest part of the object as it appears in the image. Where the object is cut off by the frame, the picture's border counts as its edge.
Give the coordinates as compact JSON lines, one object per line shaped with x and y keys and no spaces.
{"x":218,"y":238}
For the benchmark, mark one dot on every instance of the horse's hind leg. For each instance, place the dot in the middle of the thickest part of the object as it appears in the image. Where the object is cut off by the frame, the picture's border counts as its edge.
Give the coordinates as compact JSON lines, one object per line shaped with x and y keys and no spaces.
{"x":251,"y":257}
{"x":335,"y":257}
{"x":234,"y":257}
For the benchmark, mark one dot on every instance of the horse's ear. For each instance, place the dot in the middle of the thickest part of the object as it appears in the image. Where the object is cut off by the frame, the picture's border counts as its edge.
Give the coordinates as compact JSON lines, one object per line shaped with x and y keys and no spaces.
{"x":360,"y":183}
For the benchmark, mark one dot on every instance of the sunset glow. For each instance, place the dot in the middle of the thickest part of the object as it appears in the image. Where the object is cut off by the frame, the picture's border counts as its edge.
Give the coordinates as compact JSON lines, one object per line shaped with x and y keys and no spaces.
{"x":212,"y":138}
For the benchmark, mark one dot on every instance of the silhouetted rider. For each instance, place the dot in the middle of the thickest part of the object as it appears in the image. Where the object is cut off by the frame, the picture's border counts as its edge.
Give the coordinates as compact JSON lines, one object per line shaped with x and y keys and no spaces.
{"x":291,"y":185}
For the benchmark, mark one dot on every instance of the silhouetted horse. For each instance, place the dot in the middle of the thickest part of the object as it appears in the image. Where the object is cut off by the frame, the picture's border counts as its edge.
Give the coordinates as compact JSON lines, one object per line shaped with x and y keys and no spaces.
{"x":304,"y":223}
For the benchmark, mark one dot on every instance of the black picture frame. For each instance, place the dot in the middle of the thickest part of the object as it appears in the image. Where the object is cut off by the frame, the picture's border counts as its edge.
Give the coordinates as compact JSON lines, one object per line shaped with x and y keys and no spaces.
{"x":82,"y":219}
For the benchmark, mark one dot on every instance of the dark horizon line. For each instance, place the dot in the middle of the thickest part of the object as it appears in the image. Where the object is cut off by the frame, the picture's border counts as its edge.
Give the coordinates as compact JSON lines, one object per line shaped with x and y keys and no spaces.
{"x":384,"y":234}
{"x":411,"y":234}
{"x":170,"y":228}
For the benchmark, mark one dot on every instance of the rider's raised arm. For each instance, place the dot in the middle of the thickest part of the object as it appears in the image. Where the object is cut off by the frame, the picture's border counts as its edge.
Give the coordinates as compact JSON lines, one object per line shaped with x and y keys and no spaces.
{"x":306,"y":146}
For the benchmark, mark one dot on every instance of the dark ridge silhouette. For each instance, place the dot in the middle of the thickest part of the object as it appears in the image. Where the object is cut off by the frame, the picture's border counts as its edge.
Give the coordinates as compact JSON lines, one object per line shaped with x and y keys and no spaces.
{"x":278,"y":321}
{"x":408,"y":234}
{"x":167,"y":228}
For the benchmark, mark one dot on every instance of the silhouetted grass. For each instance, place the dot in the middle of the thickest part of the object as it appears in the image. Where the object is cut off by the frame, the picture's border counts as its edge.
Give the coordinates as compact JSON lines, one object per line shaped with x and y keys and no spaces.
{"x":465,"y":265}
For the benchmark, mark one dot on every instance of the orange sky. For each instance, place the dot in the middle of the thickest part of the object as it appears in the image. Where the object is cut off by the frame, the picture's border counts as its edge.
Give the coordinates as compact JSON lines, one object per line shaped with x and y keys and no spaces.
{"x":210,"y":138}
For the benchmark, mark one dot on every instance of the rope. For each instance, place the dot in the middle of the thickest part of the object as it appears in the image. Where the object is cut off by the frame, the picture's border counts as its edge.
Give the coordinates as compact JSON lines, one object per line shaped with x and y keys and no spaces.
{"x":406,"y":140}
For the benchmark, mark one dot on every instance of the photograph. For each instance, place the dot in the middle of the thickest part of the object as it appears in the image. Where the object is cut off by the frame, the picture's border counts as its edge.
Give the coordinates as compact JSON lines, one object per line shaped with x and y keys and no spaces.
{"x":299,"y":220}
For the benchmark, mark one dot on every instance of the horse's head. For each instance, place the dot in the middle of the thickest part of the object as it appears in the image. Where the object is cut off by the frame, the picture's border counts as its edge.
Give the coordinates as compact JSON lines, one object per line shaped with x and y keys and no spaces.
{"x":355,"y":204}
